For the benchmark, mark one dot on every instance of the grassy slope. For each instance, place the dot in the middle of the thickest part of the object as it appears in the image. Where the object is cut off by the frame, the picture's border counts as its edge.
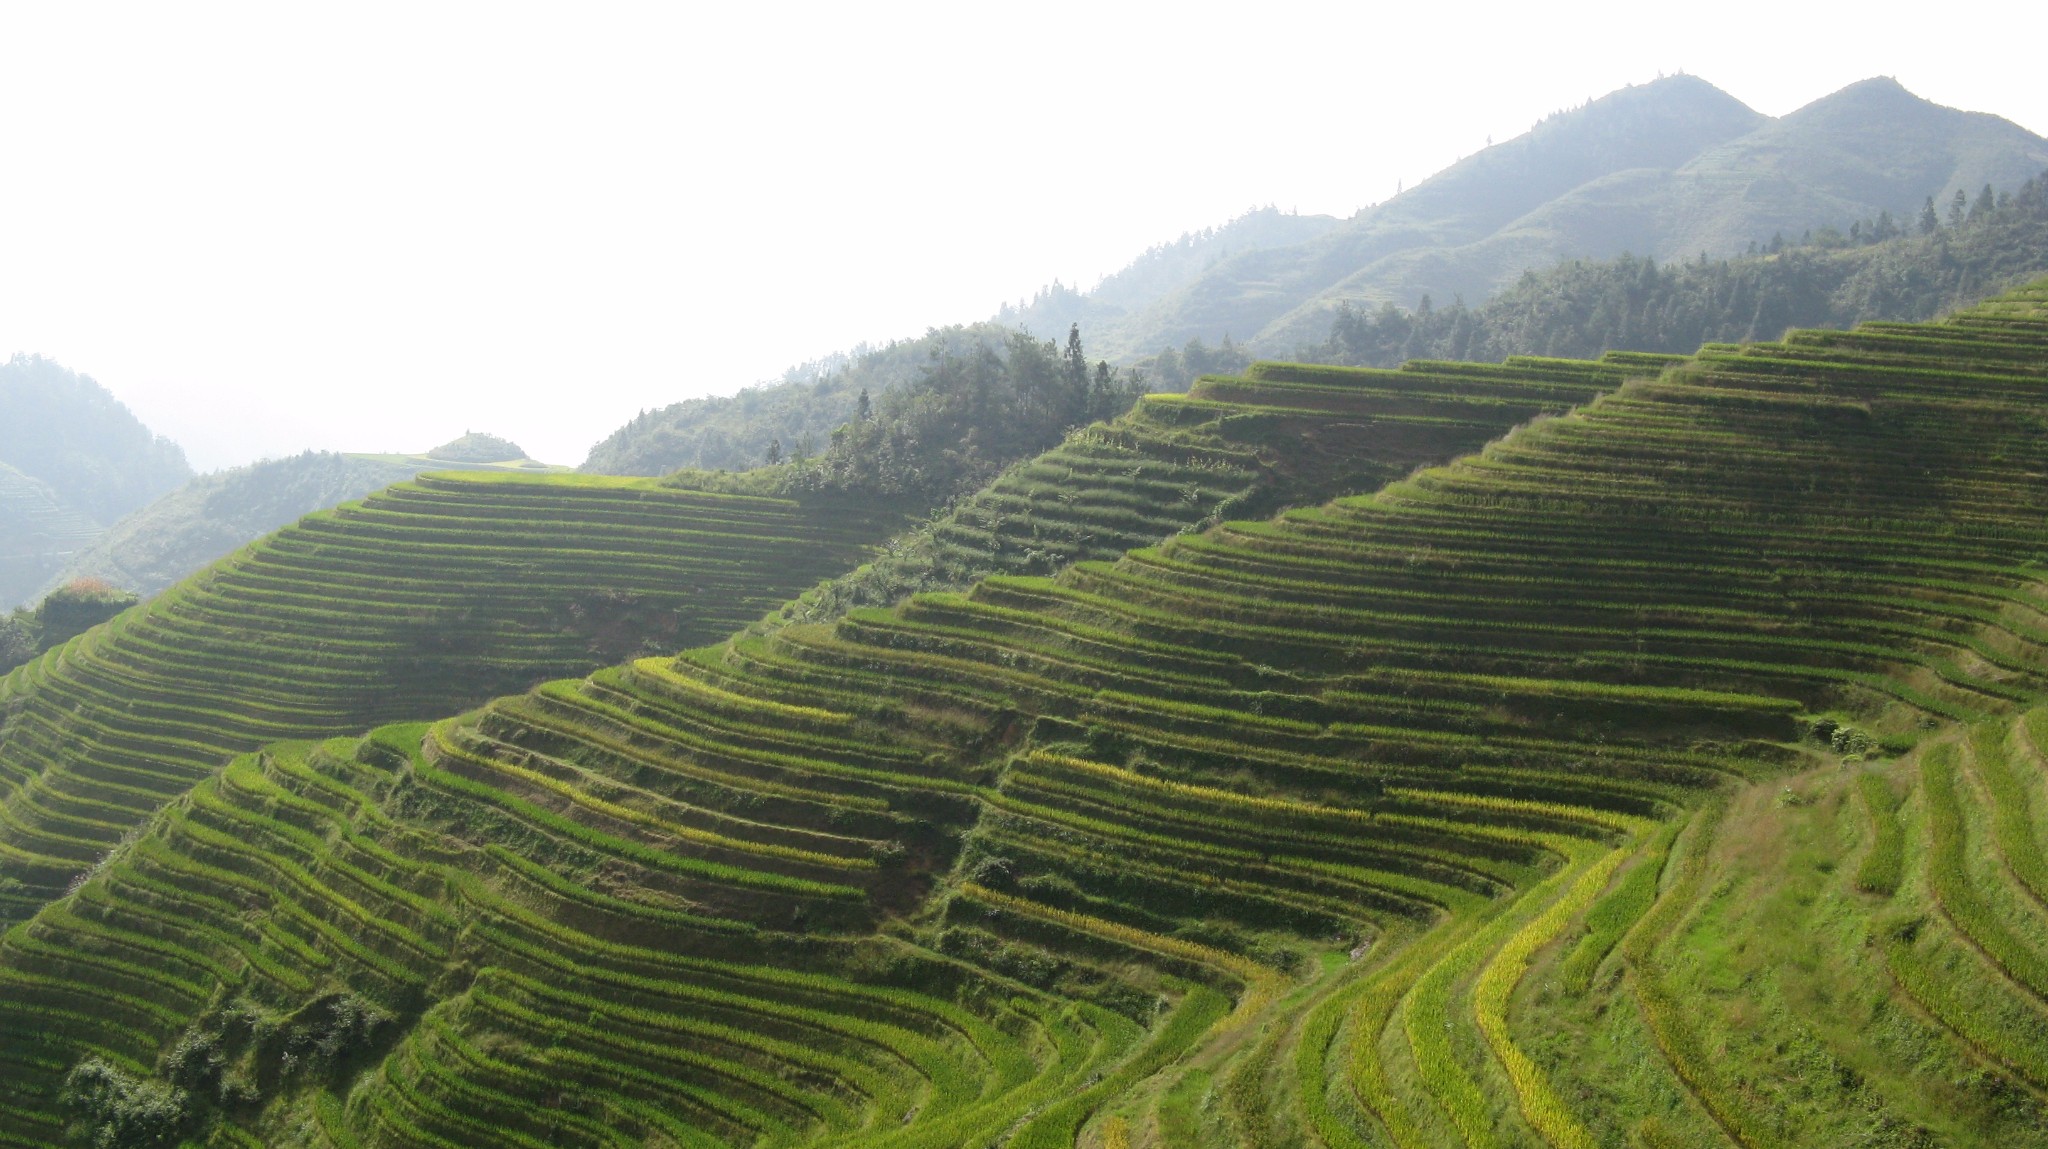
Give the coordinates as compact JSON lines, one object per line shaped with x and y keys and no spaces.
{"x":1276,"y":437}
{"x":428,"y":597}
{"x":1268,"y":836}
{"x":216,"y":514}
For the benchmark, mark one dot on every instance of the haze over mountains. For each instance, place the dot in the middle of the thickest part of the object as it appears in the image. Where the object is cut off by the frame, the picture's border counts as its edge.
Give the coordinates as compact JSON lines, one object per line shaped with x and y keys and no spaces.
{"x":1670,"y":169}
{"x":72,"y":460}
{"x":87,"y":491}
{"x":1665,"y":170}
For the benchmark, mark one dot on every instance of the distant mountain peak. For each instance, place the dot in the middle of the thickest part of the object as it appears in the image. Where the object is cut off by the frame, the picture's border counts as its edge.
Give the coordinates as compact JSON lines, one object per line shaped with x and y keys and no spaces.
{"x":477,"y":447}
{"x":1879,"y":95}
{"x":1679,"y":95}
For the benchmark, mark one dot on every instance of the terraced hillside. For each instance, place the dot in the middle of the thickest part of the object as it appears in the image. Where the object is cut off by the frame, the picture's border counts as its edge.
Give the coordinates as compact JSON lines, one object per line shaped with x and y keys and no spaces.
{"x":428,"y":597}
{"x":1664,"y":775}
{"x":1283,"y":434}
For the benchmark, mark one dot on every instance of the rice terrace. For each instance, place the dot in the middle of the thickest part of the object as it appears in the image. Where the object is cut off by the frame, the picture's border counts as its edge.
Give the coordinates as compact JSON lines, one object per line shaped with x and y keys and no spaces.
{"x":1610,"y":713}
{"x":1564,"y":792}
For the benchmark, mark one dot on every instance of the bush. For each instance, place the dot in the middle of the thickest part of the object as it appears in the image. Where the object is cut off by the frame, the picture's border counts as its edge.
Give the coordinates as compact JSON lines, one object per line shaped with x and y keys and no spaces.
{"x":17,"y":640}
{"x":332,"y":1031}
{"x":77,"y":607}
{"x":117,"y":1111}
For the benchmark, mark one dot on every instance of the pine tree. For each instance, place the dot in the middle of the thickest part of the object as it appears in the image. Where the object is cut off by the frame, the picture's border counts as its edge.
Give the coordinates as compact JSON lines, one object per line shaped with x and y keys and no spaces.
{"x":1077,"y":377}
{"x":1929,"y":222}
{"x":1985,"y":205}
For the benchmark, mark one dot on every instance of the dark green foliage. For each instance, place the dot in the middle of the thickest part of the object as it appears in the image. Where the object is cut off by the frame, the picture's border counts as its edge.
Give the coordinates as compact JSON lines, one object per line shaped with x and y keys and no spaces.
{"x":1583,"y":308}
{"x":965,"y":417}
{"x":734,"y":432}
{"x":17,"y":639}
{"x":1171,"y":370}
{"x":77,"y":607}
{"x":117,"y":1111}
{"x":332,"y":1031}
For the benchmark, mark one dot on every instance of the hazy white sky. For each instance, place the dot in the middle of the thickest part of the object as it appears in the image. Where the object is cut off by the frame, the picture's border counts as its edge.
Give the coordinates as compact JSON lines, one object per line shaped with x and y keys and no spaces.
{"x":364,"y":226}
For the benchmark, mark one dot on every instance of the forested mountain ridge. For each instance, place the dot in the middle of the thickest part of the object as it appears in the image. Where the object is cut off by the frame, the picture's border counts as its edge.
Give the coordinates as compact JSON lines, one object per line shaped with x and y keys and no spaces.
{"x":1909,"y":270}
{"x":68,"y":431}
{"x":1659,"y":172}
{"x":1665,"y":170}
{"x":733,"y":432}
{"x":75,"y":460}
{"x":1161,"y":270}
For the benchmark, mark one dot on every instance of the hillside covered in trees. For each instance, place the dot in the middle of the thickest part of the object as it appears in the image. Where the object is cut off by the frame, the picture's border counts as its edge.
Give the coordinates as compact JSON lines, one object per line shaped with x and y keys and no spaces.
{"x":1942,"y":257}
{"x":928,"y":418}
{"x":800,"y":411}
{"x":1817,"y":219}
{"x":72,"y":460}
{"x":1666,"y":170}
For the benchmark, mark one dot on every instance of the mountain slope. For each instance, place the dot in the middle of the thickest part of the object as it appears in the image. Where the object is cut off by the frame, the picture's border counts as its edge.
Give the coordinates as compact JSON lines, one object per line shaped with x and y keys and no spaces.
{"x":38,"y":534}
{"x":428,"y":597}
{"x":1656,"y":125}
{"x":86,"y":460}
{"x":1162,"y":270}
{"x":1281,"y":435}
{"x":733,"y":432}
{"x":64,"y":429}
{"x":1304,"y":828}
{"x":218,"y":513}
{"x":1871,"y":149}
{"x":1667,"y":170}
{"x":1273,"y":440}
{"x":1831,"y":280}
